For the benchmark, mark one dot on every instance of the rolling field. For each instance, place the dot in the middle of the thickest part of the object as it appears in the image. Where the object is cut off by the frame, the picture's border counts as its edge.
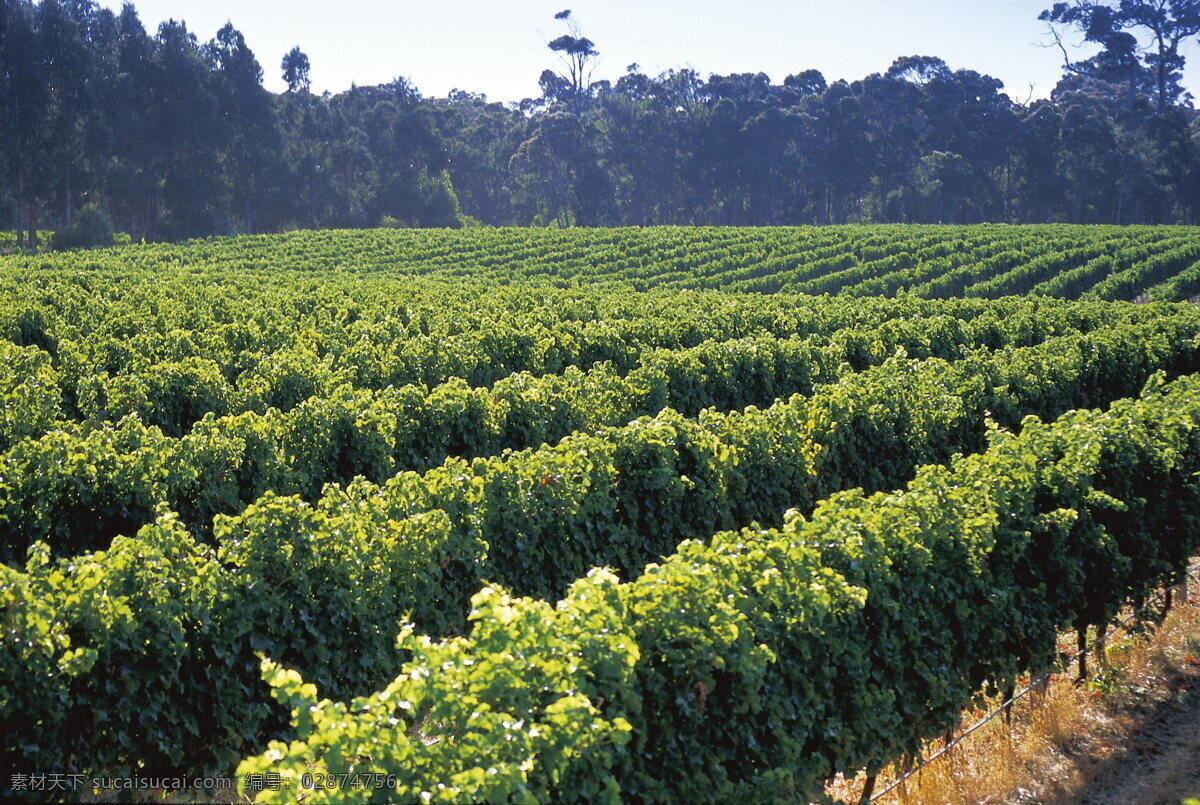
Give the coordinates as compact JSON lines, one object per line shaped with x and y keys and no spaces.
{"x":1159,"y":263}
{"x":838,"y":480}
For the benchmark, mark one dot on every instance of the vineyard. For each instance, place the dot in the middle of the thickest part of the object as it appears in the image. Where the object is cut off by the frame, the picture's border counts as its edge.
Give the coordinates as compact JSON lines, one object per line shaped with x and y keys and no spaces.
{"x":677,"y":514}
{"x":1160,"y":263}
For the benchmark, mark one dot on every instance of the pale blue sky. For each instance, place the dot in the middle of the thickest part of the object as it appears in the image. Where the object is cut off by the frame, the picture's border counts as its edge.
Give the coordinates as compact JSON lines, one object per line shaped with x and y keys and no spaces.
{"x":499,"y":46}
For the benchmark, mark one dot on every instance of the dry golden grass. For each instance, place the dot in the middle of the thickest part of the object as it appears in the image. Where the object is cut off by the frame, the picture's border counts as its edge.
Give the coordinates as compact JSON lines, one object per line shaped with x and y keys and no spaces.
{"x":1130,"y":734}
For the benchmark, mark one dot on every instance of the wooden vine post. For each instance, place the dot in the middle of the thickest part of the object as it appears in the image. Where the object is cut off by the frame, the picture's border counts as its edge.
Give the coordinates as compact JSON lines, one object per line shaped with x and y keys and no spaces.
{"x":1081,"y":648}
{"x":868,"y":790}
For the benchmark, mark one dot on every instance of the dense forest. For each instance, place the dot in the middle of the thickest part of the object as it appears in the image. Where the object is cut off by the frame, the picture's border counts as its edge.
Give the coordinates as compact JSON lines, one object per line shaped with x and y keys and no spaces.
{"x":171,"y":137}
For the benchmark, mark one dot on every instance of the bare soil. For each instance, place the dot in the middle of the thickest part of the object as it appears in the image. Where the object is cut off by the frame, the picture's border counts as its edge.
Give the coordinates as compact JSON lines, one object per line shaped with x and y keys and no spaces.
{"x":1158,"y":759}
{"x":1140,"y":744}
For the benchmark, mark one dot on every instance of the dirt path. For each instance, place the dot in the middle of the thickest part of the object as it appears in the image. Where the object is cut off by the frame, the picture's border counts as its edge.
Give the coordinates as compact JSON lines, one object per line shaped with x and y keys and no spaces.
{"x":1160,"y":763}
{"x":1138,"y":743}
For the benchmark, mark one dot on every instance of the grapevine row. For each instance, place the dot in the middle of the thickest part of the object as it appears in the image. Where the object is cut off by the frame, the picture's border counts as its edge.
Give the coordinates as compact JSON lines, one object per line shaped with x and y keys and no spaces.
{"x":757,"y":665}
{"x":134,"y":652}
{"x":77,"y":486}
{"x":938,"y":261}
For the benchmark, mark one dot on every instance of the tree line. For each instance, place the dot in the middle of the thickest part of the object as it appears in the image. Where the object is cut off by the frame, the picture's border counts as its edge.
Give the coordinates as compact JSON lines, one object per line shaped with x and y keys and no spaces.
{"x":172,"y":137}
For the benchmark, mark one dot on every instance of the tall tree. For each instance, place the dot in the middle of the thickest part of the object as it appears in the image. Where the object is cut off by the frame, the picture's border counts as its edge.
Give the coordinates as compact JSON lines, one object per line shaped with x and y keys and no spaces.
{"x":558,"y":174}
{"x":252,"y":130}
{"x":188,"y":138}
{"x":295,"y":68}
{"x":26,"y":120}
{"x":132,"y":182}
{"x":579,"y":55}
{"x":65,"y":60}
{"x":1114,"y":26}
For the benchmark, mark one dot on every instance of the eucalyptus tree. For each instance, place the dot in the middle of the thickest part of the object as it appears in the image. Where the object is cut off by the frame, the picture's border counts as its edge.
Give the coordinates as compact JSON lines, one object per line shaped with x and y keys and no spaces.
{"x":1117,"y":26}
